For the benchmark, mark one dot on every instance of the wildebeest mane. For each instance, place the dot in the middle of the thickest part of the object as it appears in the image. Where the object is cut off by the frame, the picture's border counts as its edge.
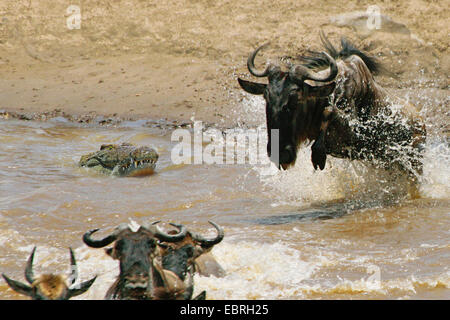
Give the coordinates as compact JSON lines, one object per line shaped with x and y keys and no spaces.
{"x":316,"y":59}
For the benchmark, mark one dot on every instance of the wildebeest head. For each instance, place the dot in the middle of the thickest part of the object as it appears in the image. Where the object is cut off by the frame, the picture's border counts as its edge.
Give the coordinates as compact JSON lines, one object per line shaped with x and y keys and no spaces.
{"x":180,"y":255}
{"x":135,"y":251}
{"x":177,"y":266}
{"x":49,"y":286}
{"x":290,"y":104}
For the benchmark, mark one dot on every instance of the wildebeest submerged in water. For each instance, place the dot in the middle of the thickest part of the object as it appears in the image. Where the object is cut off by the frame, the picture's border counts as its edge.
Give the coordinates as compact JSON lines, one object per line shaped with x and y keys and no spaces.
{"x":179,"y":261}
{"x":154,"y":264}
{"x":49,"y":286}
{"x":343,"y":110}
{"x":135,"y":251}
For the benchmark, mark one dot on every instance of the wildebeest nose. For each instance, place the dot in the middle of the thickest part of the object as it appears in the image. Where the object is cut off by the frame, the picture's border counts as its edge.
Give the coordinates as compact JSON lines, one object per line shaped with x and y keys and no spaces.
{"x":137,"y":277}
{"x":287,"y":155}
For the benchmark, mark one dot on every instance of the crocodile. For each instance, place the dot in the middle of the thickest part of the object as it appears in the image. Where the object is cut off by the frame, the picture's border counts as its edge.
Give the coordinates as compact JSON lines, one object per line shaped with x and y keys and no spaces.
{"x":124,"y":160}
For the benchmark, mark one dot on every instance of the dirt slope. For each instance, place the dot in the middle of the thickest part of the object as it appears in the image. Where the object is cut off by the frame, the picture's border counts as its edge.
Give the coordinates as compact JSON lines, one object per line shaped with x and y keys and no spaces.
{"x":174,"y":60}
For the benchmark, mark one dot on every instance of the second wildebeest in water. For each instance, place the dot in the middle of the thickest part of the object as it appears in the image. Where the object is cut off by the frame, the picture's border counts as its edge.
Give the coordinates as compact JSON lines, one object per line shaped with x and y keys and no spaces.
{"x":179,"y":261}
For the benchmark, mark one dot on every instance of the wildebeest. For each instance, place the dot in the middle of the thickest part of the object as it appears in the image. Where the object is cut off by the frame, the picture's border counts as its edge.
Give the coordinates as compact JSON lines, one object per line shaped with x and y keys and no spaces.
{"x":177,"y":264}
{"x":49,"y":286}
{"x":135,"y":251}
{"x":342,"y":109}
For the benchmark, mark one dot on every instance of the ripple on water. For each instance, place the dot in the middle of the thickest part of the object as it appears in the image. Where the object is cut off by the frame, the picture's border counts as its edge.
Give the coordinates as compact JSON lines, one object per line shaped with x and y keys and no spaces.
{"x":288,"y":235}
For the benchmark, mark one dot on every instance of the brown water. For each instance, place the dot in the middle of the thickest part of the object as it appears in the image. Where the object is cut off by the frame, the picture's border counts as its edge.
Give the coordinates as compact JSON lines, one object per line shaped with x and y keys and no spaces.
{"x":348,"y":232}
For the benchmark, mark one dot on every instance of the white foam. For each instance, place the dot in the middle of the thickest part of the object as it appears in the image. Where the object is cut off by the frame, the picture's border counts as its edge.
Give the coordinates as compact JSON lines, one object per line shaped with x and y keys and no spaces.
{"x":256,"y":271}
{"x":436,"y":177}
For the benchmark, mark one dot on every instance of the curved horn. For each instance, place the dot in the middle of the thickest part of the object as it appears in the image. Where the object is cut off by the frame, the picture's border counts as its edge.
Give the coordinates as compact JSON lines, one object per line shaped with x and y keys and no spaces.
{"x":149,"y":226}
{"x":210,"y":242}
{"x":73,"y":267}
{"x":105,"y":241}
{"x":161,"y":235}
{"x":29,"y":275}
{"x":251,"y":63}
{"x":18,"y":286}
{"x":302,"y":73}
{"x":82,"y":288}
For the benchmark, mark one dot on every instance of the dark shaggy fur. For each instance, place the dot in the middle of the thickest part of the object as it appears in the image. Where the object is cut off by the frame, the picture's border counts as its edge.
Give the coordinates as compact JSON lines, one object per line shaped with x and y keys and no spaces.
{"x":316,"y":59}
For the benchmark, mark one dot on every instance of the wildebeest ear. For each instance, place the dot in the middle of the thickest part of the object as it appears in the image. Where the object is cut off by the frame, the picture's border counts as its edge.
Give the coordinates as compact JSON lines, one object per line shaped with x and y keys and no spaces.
{"x":19,"y":286}
{"x":252,"y":87}
{"x":158,"y":276}
{"x":110,"y":252}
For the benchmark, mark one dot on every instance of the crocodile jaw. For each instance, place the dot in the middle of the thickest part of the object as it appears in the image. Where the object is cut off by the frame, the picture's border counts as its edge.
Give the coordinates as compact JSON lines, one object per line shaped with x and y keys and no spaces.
{"x":139,"y":170}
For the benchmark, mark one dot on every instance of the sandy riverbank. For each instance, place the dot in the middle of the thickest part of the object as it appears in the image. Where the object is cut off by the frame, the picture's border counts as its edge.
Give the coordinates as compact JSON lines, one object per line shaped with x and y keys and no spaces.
{"x":175,"y":60}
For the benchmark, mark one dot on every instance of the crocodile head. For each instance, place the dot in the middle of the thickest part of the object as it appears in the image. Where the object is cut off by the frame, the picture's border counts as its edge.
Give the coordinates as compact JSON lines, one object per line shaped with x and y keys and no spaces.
{"x":121,"y":160}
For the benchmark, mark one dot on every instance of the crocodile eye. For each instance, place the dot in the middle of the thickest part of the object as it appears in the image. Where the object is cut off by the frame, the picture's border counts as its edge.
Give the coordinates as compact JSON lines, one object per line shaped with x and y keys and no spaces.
{"x":107,"y":146}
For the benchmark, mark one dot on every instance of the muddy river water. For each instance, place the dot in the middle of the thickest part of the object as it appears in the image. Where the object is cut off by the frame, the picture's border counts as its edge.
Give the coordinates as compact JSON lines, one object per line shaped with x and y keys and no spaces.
{"x":348,"y":232}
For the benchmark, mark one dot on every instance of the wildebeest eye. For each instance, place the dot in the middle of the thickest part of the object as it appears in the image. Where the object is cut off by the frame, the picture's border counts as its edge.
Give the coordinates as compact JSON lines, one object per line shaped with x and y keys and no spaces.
{"x":163,"y":245}
{"x":151,"y":243}
{"x":119,"y":245}
{"x":190,"y":251}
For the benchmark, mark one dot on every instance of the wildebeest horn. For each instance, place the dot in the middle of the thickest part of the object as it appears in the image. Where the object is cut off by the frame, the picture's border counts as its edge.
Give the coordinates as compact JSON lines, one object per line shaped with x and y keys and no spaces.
{"x":105,"y":241}
{"x":29,"y":275}
{"x":209,"y":242}
{"x":150,"y":226}
{"x":18,"y":286}
{"x":251,"y":63}
{"x":161,"y":235}
{"x":302,"y":73}
{"x":82,"y":288}
{"x":73,"y":267}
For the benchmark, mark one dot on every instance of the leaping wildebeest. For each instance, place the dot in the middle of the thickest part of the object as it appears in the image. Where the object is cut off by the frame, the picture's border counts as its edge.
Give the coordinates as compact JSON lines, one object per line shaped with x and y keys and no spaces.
{"x":50,"y":286}
{"x":332,"y":98}
{"x":136,"y":252}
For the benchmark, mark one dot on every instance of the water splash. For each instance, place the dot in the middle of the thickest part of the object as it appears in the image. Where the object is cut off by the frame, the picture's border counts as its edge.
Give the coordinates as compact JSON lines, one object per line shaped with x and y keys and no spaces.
{"x":436,"y":182}
{"x":363,"y":183}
